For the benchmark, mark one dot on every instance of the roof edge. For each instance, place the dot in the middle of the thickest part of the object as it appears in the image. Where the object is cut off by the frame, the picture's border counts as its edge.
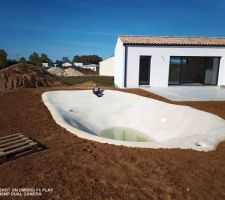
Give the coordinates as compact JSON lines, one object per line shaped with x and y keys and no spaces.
{"x":172,"y":36}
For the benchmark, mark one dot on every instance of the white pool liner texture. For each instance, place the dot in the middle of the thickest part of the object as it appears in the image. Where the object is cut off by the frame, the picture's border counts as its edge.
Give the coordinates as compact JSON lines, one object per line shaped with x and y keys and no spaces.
{"x":167,"y":125}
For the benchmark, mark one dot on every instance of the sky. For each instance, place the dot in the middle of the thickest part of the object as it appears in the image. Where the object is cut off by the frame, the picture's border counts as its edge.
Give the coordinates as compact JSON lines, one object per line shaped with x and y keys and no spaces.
{"x":64,"y":28}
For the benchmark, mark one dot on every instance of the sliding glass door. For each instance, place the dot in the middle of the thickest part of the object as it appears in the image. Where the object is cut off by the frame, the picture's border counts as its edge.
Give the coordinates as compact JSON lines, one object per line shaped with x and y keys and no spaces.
{"x":175,"y":70}
{"x":193,"y":70}
{"x":212,"y":71}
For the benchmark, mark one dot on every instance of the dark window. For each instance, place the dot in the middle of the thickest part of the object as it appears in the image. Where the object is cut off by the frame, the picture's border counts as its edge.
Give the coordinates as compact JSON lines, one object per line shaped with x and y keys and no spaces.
{"x":144,"y":70}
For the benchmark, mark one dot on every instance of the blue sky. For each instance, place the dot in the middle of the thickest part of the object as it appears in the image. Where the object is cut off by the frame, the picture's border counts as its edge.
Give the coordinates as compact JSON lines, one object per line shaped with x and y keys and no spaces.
{"x":70,"y":27}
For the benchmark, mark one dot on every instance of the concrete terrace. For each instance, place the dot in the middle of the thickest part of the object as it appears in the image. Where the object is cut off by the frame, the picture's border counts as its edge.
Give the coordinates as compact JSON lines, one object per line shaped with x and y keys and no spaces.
{"x":189,"y":93}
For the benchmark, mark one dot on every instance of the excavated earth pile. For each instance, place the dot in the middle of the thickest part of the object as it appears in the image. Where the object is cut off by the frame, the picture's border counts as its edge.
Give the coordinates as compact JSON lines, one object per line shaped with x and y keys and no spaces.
{"x":57,"y":71}
{"x":25,"y":76}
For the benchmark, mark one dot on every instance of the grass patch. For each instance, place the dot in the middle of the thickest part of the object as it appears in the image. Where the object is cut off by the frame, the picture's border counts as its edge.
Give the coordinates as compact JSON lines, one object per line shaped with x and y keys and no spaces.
{"x":86,"y":71}
{"x":105,"y":81}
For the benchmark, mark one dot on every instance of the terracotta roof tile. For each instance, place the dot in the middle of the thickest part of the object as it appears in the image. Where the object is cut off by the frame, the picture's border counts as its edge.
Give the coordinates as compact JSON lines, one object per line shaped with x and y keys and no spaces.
{"x":172,"y":40}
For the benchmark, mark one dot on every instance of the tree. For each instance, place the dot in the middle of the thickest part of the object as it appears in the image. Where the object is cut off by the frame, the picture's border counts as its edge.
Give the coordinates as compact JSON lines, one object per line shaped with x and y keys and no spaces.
{"x":76,"y":58}
{"x":22,"y":60}
{"x":38,"y":60}
{"x":35,"y":59}
{"x":44,"y":58}
{"x":3,"y":59}
{"x":93,"y":59}
{"x":11,"y":62}
{"x":59,"y":63}
{"x":65,"y":59}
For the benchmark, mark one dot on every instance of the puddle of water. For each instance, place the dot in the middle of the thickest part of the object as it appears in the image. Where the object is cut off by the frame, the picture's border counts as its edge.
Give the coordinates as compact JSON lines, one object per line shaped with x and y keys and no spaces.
{"x":124,"y":134}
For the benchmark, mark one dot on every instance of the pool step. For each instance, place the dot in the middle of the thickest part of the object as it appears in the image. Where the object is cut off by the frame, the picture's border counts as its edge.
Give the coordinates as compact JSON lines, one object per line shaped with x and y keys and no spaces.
{"x":13,"y":145}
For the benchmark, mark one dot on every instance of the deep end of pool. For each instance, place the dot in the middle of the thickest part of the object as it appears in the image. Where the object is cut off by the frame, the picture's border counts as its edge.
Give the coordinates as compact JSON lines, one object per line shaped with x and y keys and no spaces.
{"x":124,"y":134}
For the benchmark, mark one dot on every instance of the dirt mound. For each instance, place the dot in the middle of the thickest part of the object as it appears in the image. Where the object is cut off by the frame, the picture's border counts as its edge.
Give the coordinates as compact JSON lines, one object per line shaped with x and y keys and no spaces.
{"x":25,"y":76}
{"x":56,"y":71}
{"x":72,"y":72}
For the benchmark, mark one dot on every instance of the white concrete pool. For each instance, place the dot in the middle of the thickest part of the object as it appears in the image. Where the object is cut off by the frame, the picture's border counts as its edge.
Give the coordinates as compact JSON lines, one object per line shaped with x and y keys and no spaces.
{"x":126,"y":119}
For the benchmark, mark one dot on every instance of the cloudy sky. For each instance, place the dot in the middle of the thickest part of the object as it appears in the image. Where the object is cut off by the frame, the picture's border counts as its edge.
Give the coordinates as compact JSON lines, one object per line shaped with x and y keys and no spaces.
{"x":69,"y":27}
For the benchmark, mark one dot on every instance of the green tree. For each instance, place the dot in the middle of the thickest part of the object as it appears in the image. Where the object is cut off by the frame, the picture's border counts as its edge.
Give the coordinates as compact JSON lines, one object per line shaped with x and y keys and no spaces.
{"x":3,"y":59}
{"x":11,"y":62}
{"x":59,"y":63}
{"x":38,"y":60}
{"x":76,"y":58}
{"x":22,"y":60}
{"x":44,"y":58}
{"x":35,"y":59}
{"x":94,"y":59}
{"x":65,"y":59}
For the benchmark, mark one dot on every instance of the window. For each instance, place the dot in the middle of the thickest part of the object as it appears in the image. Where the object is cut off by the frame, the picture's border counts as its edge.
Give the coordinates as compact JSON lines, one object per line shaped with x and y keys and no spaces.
{"x":175,"y":60}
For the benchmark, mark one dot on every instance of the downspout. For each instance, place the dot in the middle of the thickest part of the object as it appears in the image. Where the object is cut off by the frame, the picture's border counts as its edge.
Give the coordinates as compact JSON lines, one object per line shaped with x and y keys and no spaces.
{"x":125,"y":67}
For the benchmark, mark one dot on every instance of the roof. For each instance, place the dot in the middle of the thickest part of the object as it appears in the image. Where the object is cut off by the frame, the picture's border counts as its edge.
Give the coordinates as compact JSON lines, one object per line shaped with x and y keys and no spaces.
{"x":172,"y":40}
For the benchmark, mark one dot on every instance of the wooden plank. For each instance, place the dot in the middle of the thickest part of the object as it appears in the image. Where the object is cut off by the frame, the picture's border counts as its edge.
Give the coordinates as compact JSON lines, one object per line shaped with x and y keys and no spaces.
{"x":13,"y":142}
{"x":11,"y":139}
{"x":9,"y":136}
{"x":31,"y":145}
{"x":15,"y":146}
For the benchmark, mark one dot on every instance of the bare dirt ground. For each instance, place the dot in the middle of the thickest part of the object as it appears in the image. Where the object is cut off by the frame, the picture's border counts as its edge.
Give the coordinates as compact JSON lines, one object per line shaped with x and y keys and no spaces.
{"x":80,"y":169}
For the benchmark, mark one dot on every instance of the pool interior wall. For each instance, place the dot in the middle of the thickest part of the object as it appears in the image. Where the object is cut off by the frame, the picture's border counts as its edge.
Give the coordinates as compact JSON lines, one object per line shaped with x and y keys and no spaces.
{"x":126,"y":119}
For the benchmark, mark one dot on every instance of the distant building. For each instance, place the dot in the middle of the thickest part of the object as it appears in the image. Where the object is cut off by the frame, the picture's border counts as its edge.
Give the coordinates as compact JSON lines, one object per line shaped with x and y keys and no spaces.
{"x":77,"y":64}
{"x":45,"y":65}
{"x":67,"y":64}
{"x":93,"y":67}
{"x":106,"y":67}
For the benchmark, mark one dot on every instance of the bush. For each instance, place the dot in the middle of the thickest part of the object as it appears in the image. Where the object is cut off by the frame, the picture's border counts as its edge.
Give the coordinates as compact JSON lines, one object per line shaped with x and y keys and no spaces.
{"x":105,"y":81}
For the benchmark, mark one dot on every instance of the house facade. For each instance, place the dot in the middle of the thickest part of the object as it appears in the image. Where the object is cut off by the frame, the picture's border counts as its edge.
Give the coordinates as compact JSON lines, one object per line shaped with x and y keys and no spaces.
{"x":106,"y":67}
{"x":46,"y":65}
{"x":67,"y":64}
{"x":161,"y":61}
{"x":93,"y":67}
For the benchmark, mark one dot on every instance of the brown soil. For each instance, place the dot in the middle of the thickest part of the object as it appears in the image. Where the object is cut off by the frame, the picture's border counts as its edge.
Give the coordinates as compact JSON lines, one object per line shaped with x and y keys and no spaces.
{"x":80,"y":169}
{"x":25,"y":76}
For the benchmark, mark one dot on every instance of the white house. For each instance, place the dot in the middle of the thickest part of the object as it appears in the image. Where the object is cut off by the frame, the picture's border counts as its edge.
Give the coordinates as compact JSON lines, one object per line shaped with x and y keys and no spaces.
{"x":67,"y":64}
{"x":78,"y":64}
{"x":93,"y":67}
{"x":45,"y":65}
{"x":160,"y":61}
{"x":106,"y":67}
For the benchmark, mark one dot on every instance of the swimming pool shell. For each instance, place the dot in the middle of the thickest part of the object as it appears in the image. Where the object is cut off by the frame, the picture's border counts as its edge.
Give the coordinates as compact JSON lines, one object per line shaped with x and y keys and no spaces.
{"x":126,"y":119}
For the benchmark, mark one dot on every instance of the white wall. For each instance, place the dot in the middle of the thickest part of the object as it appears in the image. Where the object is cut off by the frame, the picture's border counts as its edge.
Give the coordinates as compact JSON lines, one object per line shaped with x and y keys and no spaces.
{"x":78,"y":64}
{"x":45,"y":64}
{"x":107,"y":67}
{"x":119,"y":64}
{"x":67,"y":64}
{"x":160,"y":58}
